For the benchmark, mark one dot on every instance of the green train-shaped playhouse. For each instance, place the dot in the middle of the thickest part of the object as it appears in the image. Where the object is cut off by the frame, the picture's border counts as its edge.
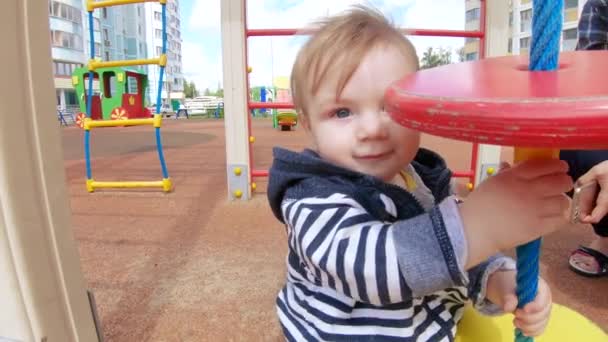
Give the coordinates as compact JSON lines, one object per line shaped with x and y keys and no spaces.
{"x":120,"y":95}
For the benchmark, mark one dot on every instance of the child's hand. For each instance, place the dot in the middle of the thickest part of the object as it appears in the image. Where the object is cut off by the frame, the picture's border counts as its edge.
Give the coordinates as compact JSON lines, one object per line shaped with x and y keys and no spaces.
{"x":517,"y":205}
{"x":532,"y":319}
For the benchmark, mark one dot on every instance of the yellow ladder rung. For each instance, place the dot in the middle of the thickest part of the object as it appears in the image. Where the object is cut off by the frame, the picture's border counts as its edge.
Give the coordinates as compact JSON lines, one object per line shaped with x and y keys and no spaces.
{"x":162,"y":61}
{"x":88,"y":123}
{"x":91,"y":4}
{"x":165,"y":184}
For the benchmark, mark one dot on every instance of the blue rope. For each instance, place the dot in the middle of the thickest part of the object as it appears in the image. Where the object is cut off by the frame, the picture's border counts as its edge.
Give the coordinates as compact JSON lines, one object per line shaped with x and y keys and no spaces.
{"x":547,"y":18}
{"x":528,"y":256}
{"x":159,"y":145}
{"x":87,"y":136}
{"x":544,"y":56}
{"x":161,"y":157}
{"x":162,"y":69}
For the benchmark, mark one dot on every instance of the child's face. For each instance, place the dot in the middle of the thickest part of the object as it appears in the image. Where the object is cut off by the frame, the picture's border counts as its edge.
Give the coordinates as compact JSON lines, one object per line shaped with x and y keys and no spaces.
{"x":355,"y":132}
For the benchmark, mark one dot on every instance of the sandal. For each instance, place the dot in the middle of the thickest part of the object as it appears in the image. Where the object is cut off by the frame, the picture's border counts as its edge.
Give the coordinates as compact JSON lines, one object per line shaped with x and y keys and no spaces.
{"x":600,"y":258}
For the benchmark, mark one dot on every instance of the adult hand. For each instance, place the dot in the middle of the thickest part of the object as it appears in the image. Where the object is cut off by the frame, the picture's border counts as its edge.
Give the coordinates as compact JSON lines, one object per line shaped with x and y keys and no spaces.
{"x":598,"y":207}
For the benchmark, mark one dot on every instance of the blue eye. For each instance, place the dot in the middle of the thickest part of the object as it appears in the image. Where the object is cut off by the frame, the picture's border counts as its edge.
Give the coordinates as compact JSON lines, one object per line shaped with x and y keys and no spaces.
{"x":342,"y":113}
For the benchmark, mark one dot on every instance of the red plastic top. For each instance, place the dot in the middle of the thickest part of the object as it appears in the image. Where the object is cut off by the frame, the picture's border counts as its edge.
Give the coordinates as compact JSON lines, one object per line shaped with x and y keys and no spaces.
{"x":498,"y":101}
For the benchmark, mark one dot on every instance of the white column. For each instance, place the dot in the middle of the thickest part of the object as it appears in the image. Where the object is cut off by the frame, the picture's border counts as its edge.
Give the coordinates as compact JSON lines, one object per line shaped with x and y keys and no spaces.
{"x":42,"y":291}
{"x":515,"y":31}
{"x":62,"y":103}
{"x":496,"y":44}
{"x":235,"y":99}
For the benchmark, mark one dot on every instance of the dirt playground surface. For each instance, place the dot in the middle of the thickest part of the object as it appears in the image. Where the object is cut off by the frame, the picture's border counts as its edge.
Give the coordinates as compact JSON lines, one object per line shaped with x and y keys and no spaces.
{"x":191,"y":266}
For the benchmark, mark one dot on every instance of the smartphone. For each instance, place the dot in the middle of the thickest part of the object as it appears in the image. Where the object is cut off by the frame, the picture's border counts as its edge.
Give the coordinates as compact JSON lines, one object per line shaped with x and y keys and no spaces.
{"x":584,"y":198}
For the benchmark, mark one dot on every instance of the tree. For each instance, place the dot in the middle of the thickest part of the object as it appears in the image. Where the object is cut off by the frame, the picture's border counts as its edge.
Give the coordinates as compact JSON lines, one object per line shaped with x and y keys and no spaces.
{"x":432,"y":58}
{"x":187,"y":89}
{"x":461,"y":54}
{"x":190,"y":89}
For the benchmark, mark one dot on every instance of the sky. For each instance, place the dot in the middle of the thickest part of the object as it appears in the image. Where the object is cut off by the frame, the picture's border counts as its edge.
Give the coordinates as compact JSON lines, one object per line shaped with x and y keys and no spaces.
{"x":273,"y":56}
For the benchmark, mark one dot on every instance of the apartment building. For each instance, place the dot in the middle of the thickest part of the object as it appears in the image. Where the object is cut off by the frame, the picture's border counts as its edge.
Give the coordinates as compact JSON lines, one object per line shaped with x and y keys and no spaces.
{"x":131,"y":31}
{"x":123,"y":31}
{"x":520,"y":22}
{"x":70,"y":45}
{"x":173,"y":83}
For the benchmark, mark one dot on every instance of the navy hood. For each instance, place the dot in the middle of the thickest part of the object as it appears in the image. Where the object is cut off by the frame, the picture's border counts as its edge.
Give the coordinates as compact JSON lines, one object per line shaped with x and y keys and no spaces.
{"x":298,"y":175}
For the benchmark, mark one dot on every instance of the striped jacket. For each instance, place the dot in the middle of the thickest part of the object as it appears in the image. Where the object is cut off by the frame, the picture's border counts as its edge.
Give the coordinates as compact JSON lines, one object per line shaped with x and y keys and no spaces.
{"x":366,"y":261}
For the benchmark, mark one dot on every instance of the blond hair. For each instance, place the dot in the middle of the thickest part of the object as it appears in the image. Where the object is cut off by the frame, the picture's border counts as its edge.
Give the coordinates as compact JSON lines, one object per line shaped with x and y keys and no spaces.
{"x":338,"y":47}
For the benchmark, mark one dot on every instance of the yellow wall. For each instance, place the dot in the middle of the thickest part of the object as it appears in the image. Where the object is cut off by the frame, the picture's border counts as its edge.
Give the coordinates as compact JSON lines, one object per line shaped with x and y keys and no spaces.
{"x":63,"y":83}
{"x":570,"y":15}
{"x":471,"y":47}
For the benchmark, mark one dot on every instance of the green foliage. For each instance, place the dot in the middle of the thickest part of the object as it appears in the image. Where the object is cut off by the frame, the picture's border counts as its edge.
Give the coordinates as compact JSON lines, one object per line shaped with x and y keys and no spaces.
{"x":190,"y":90}
{"x":432,"y":58}
{"x":461,"y":54}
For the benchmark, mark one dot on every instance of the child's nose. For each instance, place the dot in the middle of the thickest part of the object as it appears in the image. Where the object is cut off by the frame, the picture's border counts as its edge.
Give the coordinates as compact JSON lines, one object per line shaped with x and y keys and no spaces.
{"x":373,"y":126}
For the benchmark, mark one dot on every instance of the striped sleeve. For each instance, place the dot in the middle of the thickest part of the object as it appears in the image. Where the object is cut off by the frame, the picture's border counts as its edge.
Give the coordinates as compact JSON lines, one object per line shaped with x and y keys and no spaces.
{"x":343,"y":247}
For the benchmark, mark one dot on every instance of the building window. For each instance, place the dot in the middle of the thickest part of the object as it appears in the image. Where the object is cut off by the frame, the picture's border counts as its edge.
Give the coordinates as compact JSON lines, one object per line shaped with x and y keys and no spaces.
{"x":64,"y":68}
{"x":139,"y":30}
{"x":104,"y":13}
{"x":570,"y":37}
{"x":107,"y":55}
{"x":570,"y":4}
{"x":157,"y":16}
{"x":525,"y":24}
{"x":158,"y":33}
{"x":66,"y":40}
{"x":472,"y":14}
{"x":524,"y":43}
{"x":98,"y":49}
{"x":510,"y":45}
{"x":132,"y":85}
{"x":105,"y":34}
{"x":510,"y":19}
{"x":471,"y":56}
{"x":63,"y":11}
{"x":159,"y":50}
{"x":70,"y":98}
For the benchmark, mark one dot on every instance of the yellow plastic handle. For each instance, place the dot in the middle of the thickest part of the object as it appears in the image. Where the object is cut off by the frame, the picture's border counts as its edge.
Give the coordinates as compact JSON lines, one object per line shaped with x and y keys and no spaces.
{"x":525,"y":153}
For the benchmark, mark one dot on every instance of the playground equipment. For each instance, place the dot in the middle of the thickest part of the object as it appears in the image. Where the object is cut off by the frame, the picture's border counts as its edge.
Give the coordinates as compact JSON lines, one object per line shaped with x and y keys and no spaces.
{"x":121,"y":94}
{"x":285,"y":119}
{"x":550,"y":107}
{"x":62,"y":114}
{"x":126,"y":106}
{"x":238,"y":100}
{"x":44,"y":293}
